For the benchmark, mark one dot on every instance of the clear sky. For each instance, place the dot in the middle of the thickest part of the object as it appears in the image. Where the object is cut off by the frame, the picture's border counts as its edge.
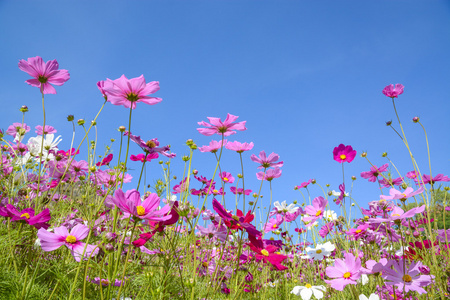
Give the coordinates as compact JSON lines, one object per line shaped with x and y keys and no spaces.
{"x":305,"y":75}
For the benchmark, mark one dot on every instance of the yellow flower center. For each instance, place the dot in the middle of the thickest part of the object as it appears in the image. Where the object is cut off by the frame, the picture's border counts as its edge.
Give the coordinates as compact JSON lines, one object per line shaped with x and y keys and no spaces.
{"x":358,"y":230}
{"x":226,"y":179}
{"x":26,"y":215}
{"x":347,"y":275}
{"x":265,"y":252}
{"x":140,"y":210}
{"x":407,"y":278}
{"x":274,"y":226}
{"x":318,"y":251}
{"x":318,"y":213}
{"x":343,"y":156}
{"x":132,"y":97}
{"x":71,"y":239}
{"x":308,"y":286}
{"x":205,"y":264}
{"x":150,"y":144}
{"x":42,"y":79}
{"x":396,"y":215}
{"x":215,"y":191}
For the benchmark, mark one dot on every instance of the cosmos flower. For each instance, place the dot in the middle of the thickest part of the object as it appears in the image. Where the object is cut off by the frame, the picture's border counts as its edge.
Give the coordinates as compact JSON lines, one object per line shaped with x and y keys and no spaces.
{"x":17,"y":128}
{"x":105,"y":161}
{"x":28,"y":216}
{"x":284,"y":208}
{"x":274,"y":223}
{"x":48,"y":129}
{"x":51,"y":241}
{"x":226,"y":177}
{"x":226,"y":128}
{"x":308,"y":290}
{"x":239,"y":191}
{"x":345,"y":271}
{"x":267,"y":161}
{"x":239,"y":147}
{"x":344,"y":153}
{"x":269,"y":175}
{"x":316,"y":210}
{"x":407,"y":279}
{"x":393,"y":92}
{"x":374,"y":172}
{"x":143,"y":158}
{"x":395,"y":194}
{"x":213,"y":146}
{"x":45,"y":74}
{"x":320,"y":251}
{"x":304,"y":184}
{"x":128,"y":92}
{"x":266,"y":253}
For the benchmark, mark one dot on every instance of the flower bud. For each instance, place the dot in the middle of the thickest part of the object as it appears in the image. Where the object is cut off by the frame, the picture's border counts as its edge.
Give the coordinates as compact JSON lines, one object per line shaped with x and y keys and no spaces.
{"x":327,"y":185}
{"x":80,"y":122}
{"x":109,"y":248}
{"x":330,"y":193}
{"x":195,"y":172}
{"x":404,"y":186}
{"x":364,"y":154}
{"x":122,"y":128}
{"x":249,"y":277}
{"x":353,"y":177}
{"x":240,"y":176}
{"x":185,"y":158}
{"x":416,"y":234}
{"x":110,"y":236}
{"x":295,"y":201}
{"x":24,"y":108}
{"x":194,"y":147}
{"x":251,"y":202}
{"x":388,"y":123}
{"x":313,"y":181}
{"x":93,"y":123}
{"x":416,"y":119}
{"x":189,"y":142}
{"x":446,"y":188}
{"x":92,"y":169}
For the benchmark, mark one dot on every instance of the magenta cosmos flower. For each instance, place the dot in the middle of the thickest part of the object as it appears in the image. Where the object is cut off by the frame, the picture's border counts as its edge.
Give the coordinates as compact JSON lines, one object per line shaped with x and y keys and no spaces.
{"x":144,"y":158}
{"x":267,"y":161}
{"x":45,"y":74}
{"x":374,"y":172}
{"x":27,"y":215}
{"x":51,"y":241}
{"x":346,"y":271}
{"x":130,"y":203}
{"x":213,"y":146}
{"x":393,"y":92}
{"x":344,"y":153}
{"x":269,"y":175}
{"x":398,"y":214}
{"x":315,"y":211}
{"x":128,"y":92}
{"x":226,"y":128}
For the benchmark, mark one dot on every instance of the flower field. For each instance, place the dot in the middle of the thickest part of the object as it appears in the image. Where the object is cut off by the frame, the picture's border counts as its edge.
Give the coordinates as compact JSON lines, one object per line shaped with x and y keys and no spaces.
{"x":71,"y":230}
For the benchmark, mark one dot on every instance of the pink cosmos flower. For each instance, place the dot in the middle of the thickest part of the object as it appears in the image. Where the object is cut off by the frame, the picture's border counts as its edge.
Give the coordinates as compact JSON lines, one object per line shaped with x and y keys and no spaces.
{"x":128,"y":92}
{"x":393,"y":92}
{"x":304,"y":184}
{"x":316,"y":210}
{"x":326,"y":229}
{"x":356,"y":233}
{"x":226,"y":127}
{"x":213,"y":147}
{"x":130,"y":204}
{"x":389,"y":182}
{"x":408,"y":193}
{"x":438,"y":177}
{"x":374,"y":172}
{"x":105,"y":161}
{"x":212,"y":231}
{"x":344,"y":153}
{"x":274,"y":223}
{"x":151,"y":146}
{"x":16,"y":128}
{"x":398,"y":214}
{"x":48,"y":130}
{"x":266,"y":253}
{"x":269,"y":174}
{"x":267,"y":162}
{"x":142,"y":157}
{"x":51,"y":241}
{"x":45,"y":74}
{"x":239,"y":191}
{"x":346,"y":271}
{"x":412,"y":175}
{"x":408,"y":279}
{"x":239,"y":147}
{"x":226,"y":177}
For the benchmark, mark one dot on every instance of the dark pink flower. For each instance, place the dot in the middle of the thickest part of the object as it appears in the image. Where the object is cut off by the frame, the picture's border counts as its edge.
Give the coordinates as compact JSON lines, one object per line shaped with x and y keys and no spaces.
{"x":51,"y":241}
{"x":142,"y":157}
{"x":128,"y":92}
{"x":105,"y":161}
{"x":344,"y":153}
{"x":226,"y":128}
{"x":326,"y":229}
{"x":304,"y":184}
{"x":266,"y":253}
{"x":389,"y":182}
{"x":345,"y":272}
{"x":240,"y":220}
{"x":412,"y":175}
{"x":274,"y":223}
{"x":48,"y":130}
{"x":239,"y":191}
{"x":226,"y":177}
{"x":151,"y":146}
{"x":239,"y":147}
{"x":393,"y":92}
{"x":374,"y":172}
{"x":438,"y":177}
{"x":27,"y":215}
{"x":267,"y":162}
{"x":45,"y":74}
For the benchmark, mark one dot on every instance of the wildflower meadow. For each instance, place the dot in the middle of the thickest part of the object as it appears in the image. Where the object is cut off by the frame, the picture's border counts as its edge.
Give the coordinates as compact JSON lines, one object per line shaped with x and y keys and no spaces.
{"x":75,"y":224}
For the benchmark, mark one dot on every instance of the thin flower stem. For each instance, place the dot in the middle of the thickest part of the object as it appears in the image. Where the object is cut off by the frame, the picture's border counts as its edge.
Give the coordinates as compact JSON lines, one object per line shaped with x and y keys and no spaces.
{"x":243,"y":183}
{"x":140,"y":176}
{"x":128,"y":146}
{"x":42,"y":143}
{"x":429,"y":156}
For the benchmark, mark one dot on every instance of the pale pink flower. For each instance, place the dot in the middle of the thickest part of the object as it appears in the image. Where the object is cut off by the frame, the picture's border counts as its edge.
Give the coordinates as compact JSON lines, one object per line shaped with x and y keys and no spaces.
{"x":17,"y":128}
{"x":48,"y":130}
{"x":45,"y":74}
{"x":374,"y":172}
{"x":395,"y":194}
{"x":269,"y":174}
{"x":316,"y":210}
{"x":213,"y":146}
{"x":226,"y":128}
{"x":128,"y":92}
{"x":345,"y":272}
{"x":267,"y":161}
{"x":407,"y":279}
{"x":239,"y":147}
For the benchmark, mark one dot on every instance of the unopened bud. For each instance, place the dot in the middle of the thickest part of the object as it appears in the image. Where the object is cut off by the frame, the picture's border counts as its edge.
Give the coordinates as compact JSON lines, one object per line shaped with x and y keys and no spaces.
{"x":251,"y":202}
{"x":195,"y":172}
{"x":109,"y":247}
{"x":189,"y":142}
{"x":330,"y":193}
{"x":404,"y":186}
{"x":416,"y":119}
{"x":353,"y":177}
{"x":240,"y":176}
{"x":185,"y":158}
{"x":24,"y":108}
{"x":295,"y":201}
{"x":161,"y":162}
{"x":384,"y":154}
{"x":446,"y":188}
{"x":93,"y":123}
{"x":255,"y":195}
{"x":194,"y":146}
{"x":80,"y":122}
{"x":70,"y":118}
{"x":388,"y":123}
{"x":364,"y":154}
{"x":327,"y":185}
{"x":92,"y":169}
{"x":313,"y":181}
{"x":122,"y":128}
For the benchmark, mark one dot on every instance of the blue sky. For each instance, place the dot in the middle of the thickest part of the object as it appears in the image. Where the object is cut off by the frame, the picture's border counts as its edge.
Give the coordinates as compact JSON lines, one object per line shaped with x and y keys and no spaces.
{"x":305,"y":75}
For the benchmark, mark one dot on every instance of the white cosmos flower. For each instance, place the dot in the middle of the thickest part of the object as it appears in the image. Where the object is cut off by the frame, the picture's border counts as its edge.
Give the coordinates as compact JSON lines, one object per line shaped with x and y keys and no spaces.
{"x":283,"y":207}
{"x":320,"y":251}
{"x":329,"y":215}
{"x":371,"y":297}
{"x":364,"y":279}
{"x":308,"y":290}
{"x":337,"y":194}
{"x":50,"y":143}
